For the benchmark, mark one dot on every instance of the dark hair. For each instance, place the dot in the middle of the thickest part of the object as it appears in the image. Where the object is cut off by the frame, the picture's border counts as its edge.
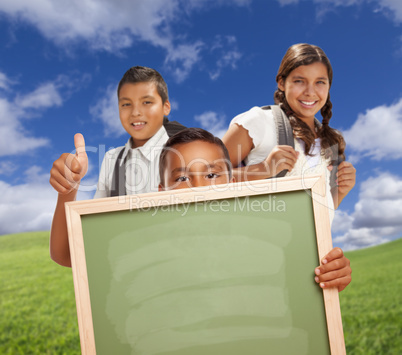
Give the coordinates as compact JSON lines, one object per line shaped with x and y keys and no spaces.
{"x":140,"y":74}
{"x":306,"y":54}
{"x":189,"y":135}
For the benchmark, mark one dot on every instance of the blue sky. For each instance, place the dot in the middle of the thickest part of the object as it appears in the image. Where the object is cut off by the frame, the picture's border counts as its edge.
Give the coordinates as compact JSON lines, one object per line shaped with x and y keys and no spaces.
{"x":60,"y":63}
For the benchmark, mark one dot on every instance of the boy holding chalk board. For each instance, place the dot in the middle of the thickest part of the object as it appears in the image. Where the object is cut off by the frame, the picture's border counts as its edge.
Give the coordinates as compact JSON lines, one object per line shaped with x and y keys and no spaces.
{"x":143,"y":109}
{"x":194,"y":157}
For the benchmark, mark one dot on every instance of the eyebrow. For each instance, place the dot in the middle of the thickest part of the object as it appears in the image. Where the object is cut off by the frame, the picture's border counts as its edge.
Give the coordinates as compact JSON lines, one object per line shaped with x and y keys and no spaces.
{"x":302,"y":77}
{"x":208,"y":166}
{"x":141,"y":98}
{"x":179,"y":170}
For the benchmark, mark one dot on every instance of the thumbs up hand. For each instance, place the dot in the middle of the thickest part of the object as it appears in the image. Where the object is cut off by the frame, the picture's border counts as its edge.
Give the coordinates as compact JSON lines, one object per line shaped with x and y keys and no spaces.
{"x":80,"y":156}
{"x":68,"y":170}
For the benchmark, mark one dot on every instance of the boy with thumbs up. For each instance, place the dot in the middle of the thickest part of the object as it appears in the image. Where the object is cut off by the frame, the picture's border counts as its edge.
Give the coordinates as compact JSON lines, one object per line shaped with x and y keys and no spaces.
{"x":131,"y":169}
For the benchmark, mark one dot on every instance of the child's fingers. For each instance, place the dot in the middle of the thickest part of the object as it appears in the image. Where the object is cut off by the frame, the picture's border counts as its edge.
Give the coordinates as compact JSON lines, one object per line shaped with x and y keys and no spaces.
{"x":284,"y":162}
{"x":333,"y":274}
{"x":346,"y":180}
{"x":282,"y":157}
{"x":335,"y":265}
{"x":80,"y":156}
{"x":62,"y":186}
{"x":346,"y":185}
{"x":335,"y":253}
{"x":285,"y":158}
{"x":333,"y":261}
{"x":345,"y":177}
{"x":74,"y":167}
{"x":335,"y":270}
{"x":340,"y":283}
{"x":79,"y":143}
{"x":65,"y":171}
{"x":69,"y":169}
{"x":346,"y":170}
{"x":289,"y":149}
{"x":339,"y":278}
{"x":59,"y":181}
{"x":345,"y":164}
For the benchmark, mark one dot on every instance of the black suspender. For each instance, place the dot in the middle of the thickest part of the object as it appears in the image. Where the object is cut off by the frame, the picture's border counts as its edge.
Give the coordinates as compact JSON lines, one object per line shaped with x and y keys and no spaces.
{"x":119,"y":177}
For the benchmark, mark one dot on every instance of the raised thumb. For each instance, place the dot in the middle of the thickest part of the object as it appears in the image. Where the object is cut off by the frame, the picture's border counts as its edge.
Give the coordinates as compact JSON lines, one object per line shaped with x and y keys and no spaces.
{"x":79,"y":143}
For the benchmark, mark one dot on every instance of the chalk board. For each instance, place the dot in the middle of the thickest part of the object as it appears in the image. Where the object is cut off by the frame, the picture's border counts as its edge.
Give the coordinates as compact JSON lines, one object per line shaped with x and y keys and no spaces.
{"x":224,"y":270}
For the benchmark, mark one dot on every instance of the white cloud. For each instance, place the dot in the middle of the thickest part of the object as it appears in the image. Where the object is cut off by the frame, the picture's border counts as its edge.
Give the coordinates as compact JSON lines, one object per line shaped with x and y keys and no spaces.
{"x":212,"y":122}
{"x":393,"y":8}
{"x":385,"y":187}
{"x":44,"y":96}
{"x":342,"y":222}
{"x":361,"y":238}
{"x":14,"y":111}
{"x":225,"y":48}
{"x":377,"y":133}
{"x":106,"y":110}
{"x":380,"y":202}
{"x":390,"y":8}
{"x":376,"y":217}
{"x":187,"y":54}
{"x":29,"y":206}
{"x":7,"y":167}
{"x":113,"y":25}
{"x":5,"y":82}
{"x":197,"y":4}
{"x":287,"y":2}
{"x":326,"y":2}
{"x":174,"y":105}
{"x":15,"y":139}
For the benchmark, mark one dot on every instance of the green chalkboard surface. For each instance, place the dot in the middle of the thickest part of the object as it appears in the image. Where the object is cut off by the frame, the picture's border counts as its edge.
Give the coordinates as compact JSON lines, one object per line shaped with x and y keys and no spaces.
{"x":225,"y":276}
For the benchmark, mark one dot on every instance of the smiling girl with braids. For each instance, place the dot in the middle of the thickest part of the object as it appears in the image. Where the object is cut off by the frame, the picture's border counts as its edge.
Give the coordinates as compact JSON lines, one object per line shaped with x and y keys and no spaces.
{"x":304,"y":79}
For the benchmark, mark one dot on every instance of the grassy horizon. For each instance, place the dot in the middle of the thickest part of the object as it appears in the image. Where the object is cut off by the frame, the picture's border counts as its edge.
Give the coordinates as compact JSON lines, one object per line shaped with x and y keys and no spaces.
{"x":38,"y":312}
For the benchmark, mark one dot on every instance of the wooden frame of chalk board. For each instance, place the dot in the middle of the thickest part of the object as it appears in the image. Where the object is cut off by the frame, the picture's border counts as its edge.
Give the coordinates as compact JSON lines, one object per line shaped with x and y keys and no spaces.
{"x":218,"y":207}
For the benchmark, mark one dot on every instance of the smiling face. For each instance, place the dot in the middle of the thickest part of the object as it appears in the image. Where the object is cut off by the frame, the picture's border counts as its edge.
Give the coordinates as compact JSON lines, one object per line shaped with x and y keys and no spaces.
{"x":195,"y":164}
{"x":141,"y":111}
{"x":306,"y":90}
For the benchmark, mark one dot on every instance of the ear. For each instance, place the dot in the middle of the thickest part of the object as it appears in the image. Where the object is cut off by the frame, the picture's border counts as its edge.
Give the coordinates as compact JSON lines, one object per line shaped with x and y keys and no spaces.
{"x":166,"y":108}
{"x":232,"y":179}
{"x":161,"y":188}
{"x":281,"y":85}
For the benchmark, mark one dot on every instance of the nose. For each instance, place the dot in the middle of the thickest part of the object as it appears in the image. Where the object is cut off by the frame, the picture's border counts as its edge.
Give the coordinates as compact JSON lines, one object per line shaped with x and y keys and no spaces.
{"x":135,"y":111}
{"x":310,"y":89}
{"x":198,"y":180}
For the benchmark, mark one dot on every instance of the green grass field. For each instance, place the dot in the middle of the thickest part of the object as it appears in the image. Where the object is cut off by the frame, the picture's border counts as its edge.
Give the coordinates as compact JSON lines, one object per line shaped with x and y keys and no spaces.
{"x":372,"y":304}
{"x":38,"y":314}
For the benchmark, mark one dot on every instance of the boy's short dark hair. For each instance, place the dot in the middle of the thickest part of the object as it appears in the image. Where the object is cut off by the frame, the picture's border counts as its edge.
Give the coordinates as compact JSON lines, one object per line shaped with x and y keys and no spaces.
{"x":190,"y":135}
{"x":140,"y":74}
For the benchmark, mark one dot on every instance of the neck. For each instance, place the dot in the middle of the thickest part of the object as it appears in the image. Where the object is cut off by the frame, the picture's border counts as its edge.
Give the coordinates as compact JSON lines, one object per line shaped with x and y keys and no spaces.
{"x":310,"y":122}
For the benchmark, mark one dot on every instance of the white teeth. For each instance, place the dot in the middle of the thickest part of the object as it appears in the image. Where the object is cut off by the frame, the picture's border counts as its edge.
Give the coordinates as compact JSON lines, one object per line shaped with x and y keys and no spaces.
{"x":308,"y":103}
{"x":137,"y":123}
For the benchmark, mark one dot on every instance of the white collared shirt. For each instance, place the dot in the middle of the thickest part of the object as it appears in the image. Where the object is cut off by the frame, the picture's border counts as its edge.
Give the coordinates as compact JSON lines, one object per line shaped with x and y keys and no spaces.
{"x":142,"y":166}
{"x":261,"y":128}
